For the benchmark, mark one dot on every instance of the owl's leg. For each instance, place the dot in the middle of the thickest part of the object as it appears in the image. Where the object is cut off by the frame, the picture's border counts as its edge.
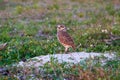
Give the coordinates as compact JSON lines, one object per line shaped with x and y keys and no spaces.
{"x":66,"y":49}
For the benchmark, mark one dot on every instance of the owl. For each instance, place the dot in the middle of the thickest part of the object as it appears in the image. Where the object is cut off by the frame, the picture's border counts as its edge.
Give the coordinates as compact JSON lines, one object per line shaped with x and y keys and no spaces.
{"x":64,"y":38}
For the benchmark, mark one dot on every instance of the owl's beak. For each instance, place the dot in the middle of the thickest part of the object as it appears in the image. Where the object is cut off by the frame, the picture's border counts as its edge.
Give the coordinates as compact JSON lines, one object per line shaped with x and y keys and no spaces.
{"x":58,"y":26}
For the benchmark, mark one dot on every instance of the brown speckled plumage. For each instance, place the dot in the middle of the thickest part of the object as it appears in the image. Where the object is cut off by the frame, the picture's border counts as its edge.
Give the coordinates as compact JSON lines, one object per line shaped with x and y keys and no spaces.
{"x":64,"y":38}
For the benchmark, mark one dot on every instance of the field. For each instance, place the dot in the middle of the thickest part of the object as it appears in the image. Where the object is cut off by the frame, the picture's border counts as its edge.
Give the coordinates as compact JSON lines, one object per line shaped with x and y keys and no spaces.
{"x":29,"y":29}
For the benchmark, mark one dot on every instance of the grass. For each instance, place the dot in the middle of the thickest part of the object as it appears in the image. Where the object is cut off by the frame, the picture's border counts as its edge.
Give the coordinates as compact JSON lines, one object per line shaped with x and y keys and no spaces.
{"x":28,"y":38}
{"x":30,"y":27}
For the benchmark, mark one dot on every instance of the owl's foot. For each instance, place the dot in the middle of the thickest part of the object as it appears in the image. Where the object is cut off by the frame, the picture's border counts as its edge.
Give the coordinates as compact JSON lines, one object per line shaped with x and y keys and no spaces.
{"x":66,"y":52}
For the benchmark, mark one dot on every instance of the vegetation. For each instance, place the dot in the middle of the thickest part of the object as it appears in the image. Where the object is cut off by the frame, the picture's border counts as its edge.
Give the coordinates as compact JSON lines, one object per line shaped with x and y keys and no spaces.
{"x":88,"y":69}
{"x":29,"y":29}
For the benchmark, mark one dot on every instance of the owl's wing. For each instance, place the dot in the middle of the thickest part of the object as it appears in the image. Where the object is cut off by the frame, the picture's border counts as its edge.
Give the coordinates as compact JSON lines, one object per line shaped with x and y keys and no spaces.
{"x":66,"y":39}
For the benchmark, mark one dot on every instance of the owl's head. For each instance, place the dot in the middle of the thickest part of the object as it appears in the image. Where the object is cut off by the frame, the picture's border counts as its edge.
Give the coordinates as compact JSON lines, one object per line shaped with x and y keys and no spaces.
{"x":61,"y":28}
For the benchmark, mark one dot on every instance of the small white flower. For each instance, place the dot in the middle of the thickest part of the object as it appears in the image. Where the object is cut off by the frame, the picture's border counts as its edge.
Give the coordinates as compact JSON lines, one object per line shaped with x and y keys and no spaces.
{"x":92,"y":57}
{"x":99,"y":25}
{"x":115,"y":22}
{"x":105,"y":31}
{"x":91,"y":45}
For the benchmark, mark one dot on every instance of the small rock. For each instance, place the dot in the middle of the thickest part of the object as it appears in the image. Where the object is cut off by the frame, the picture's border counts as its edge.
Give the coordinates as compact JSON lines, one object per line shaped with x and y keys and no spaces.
{"x":4,"y":71}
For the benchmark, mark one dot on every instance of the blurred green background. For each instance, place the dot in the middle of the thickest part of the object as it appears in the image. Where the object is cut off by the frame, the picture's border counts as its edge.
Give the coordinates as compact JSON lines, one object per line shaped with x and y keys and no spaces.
{"x":29,"y":27}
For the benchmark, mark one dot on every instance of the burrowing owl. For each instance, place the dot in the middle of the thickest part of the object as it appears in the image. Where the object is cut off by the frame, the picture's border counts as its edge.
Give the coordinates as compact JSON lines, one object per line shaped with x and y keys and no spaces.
{"x":64,"y":38}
